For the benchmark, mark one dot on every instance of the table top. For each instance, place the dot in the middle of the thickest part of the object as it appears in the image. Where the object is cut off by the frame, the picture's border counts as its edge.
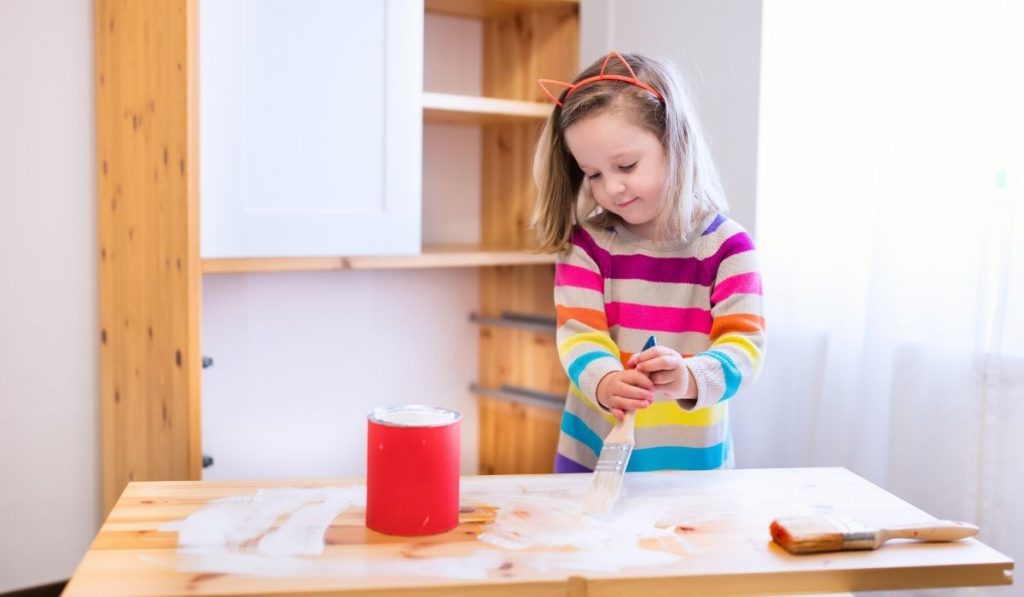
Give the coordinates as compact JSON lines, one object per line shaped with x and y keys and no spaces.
{"x":688,"y":532}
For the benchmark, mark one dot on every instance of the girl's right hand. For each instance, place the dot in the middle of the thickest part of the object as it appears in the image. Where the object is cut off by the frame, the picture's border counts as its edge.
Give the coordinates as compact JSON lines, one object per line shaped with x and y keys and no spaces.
{"x":620,"y":391}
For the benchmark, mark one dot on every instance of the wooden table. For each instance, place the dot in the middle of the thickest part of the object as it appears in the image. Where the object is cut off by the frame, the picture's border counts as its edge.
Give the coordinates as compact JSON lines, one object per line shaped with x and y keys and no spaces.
{"x":703,"y":533}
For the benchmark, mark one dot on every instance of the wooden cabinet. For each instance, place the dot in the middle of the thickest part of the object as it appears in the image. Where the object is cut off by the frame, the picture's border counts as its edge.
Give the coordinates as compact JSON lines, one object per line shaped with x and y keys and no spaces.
{"x":310,"y":127}
{"x":151,"y":268}
{"x":521,"y":382}
{"x":147,"y":213}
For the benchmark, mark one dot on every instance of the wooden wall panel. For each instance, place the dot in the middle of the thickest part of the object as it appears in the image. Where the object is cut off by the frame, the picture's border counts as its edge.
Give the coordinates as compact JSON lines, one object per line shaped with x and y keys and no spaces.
{"x":508,"y":190}
{"x":519,"y":49}
{"x":510,"y":356}
{"x":530,"y":45}
{"x":516,"y":438}
{"x":146,"y":104}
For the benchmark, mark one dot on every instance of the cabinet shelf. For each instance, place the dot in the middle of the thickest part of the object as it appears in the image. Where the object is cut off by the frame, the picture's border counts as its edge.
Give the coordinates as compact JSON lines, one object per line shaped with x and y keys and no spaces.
{"x":432,"y":257}
{"x":448,"y":108}
{"x":492,"y":8}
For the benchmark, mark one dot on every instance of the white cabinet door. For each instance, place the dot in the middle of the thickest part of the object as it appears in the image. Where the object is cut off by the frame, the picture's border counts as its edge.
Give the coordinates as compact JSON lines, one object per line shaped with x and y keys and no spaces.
{"x":310,"y":127}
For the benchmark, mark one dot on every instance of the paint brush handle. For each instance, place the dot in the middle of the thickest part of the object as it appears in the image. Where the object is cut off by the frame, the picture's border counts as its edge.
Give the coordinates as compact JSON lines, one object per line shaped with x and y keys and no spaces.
{"x":936,"y":530}
{"x":624,"y":431}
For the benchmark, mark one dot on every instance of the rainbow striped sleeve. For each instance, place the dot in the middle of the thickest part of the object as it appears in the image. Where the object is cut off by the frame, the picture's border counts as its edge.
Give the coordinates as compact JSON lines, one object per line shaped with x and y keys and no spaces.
{"x":585,"y":345}
{"x":737,"y":332}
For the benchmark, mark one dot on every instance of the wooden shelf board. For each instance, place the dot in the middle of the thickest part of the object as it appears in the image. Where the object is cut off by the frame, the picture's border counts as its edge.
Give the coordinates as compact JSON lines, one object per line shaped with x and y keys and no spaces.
{"x":432,"y":257}
{"x":494,"y":8}
{"x":465,"y":109}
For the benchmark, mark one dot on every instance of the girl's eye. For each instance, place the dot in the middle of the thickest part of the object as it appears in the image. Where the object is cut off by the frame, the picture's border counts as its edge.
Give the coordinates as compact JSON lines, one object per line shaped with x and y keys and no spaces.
{"x":628,"y":168}
{"x":593,"y":176}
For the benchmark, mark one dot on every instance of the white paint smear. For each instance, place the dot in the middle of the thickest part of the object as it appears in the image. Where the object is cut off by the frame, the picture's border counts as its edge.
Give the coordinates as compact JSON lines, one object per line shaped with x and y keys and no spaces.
{"x":541,"y":531}
{"x":415,"y":416}
{"x":303,"y":516}
{"x":550,"y":525}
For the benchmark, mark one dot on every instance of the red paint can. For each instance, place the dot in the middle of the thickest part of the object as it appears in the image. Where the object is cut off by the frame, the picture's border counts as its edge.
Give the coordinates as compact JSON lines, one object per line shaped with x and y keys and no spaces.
{"x":412,"y":470}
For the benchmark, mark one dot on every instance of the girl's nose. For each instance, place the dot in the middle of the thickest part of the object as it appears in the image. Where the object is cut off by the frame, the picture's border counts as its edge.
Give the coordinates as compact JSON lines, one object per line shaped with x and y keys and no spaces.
{"x":614,"y":186}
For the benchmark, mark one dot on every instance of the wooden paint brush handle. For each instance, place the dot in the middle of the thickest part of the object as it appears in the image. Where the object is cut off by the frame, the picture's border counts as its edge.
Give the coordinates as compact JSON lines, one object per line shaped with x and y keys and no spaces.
{"x":936,"y":530}
{"x":624,"y":431}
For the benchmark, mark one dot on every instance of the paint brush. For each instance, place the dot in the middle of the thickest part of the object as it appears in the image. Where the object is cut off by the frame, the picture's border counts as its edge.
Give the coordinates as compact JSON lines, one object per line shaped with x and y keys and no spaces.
{"x":606,"y":481}
{"x":815,"y":534}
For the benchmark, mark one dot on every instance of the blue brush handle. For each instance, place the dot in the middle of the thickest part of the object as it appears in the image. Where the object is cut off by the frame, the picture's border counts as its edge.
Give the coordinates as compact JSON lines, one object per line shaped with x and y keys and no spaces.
{"x":651,"y":343}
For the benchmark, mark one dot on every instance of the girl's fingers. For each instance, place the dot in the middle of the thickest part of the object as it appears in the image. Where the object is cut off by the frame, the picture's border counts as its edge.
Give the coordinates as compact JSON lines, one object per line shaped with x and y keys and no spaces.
{"x":627,"y":403}
{"x":655,"y":364}
{"x":664,"y":377}
{"x":635,"y":393}
{"x":618,"y":413}
{"x":647,"y":355}
{"x":637,"y":379}
{"x":664,"y":363}
{"x":640,"y":357}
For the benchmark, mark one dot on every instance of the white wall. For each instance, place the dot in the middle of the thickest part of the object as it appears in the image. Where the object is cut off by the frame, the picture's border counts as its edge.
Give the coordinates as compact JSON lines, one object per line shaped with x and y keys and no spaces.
{"x":453,"y":63}
{"x":300,"y":358}
{"x":49,"y":388}
{"x":717,"y":46}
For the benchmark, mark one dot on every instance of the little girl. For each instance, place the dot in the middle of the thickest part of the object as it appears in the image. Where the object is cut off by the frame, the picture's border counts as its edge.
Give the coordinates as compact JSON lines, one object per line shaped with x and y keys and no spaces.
{"x":631,"y":201}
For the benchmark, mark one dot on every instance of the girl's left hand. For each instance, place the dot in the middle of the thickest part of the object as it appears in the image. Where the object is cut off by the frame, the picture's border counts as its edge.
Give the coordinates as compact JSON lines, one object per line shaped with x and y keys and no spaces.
{"x":666,"y":369}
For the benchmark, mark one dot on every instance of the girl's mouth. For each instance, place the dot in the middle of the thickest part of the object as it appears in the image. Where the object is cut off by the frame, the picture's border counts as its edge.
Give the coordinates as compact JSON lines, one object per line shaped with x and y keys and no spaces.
{"x":626,"y":203}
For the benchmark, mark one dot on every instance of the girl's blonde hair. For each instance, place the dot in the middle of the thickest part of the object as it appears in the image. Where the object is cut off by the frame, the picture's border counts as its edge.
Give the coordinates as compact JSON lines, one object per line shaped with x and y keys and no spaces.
{"x":692,"y":187}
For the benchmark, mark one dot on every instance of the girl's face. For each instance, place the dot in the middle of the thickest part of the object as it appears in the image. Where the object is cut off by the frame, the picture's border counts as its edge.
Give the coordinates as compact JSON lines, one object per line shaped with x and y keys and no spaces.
{"x":625,"y":166}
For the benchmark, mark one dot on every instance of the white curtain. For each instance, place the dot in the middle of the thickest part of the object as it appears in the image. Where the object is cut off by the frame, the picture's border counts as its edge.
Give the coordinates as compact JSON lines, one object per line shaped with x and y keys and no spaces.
{"x":891,"y":231}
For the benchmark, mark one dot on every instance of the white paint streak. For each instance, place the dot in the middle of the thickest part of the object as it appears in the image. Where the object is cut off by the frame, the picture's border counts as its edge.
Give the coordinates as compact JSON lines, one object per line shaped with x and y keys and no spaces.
{"x":415,"y":416}
{"x":237,"y":521}
{"x":303,"y":532}
{"x":544,"y":526}
{"x":279,"y":533}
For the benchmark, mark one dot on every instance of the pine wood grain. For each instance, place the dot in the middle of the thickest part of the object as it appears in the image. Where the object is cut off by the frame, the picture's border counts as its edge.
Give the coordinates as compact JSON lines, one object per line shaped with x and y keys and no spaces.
{"x":492,"y":8}
{"x":146,"y":107}
{"x":721,"y":520}
{"x":460,"y":109}
{"x":518,"y":49}
{"x":432,"y":257}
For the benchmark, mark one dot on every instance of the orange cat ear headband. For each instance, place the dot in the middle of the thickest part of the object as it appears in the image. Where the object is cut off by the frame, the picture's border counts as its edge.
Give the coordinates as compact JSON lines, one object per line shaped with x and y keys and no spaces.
{"x":572,"y":87}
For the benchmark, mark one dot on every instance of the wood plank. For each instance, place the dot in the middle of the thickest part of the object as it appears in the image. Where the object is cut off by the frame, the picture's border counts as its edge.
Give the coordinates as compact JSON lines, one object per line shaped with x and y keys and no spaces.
{"x":673,"y":533}
{"x":432,"y":257}
{"x":446,"y":108}
{"x":519,"y":49}
{"x":517,"y":437}
{"x":494,"y":8}
{"x":453,"y":256}
{"x":508,"y":190}
{"x":149,"y":276}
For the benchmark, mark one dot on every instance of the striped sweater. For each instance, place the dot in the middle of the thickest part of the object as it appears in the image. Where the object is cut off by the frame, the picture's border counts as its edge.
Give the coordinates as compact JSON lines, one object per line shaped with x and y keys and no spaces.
{"x":613,"y":290}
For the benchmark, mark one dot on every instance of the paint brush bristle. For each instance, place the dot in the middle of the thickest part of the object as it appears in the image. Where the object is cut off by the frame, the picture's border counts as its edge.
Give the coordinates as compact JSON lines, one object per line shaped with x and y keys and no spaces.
{"x":606,"y":482}
{"x":806,"y":535}
{"x":817,"y":534}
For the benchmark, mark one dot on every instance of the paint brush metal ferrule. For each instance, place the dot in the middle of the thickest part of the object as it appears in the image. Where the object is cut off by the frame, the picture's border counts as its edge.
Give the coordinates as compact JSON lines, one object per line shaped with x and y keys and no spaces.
{"x":614,"y":457}
{"x":855,"y":534}
{"x":860,"y":540}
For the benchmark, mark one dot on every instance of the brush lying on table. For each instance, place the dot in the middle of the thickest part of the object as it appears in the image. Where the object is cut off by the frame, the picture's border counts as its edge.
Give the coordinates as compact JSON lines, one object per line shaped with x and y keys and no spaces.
{"x":815,"y":534}
{"x":606,"y":482}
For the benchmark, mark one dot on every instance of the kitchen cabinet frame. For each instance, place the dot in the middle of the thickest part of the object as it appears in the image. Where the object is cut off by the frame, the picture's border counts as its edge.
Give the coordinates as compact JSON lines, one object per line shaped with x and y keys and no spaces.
{"x":150,"y":269}
{"x":149,"y":266}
